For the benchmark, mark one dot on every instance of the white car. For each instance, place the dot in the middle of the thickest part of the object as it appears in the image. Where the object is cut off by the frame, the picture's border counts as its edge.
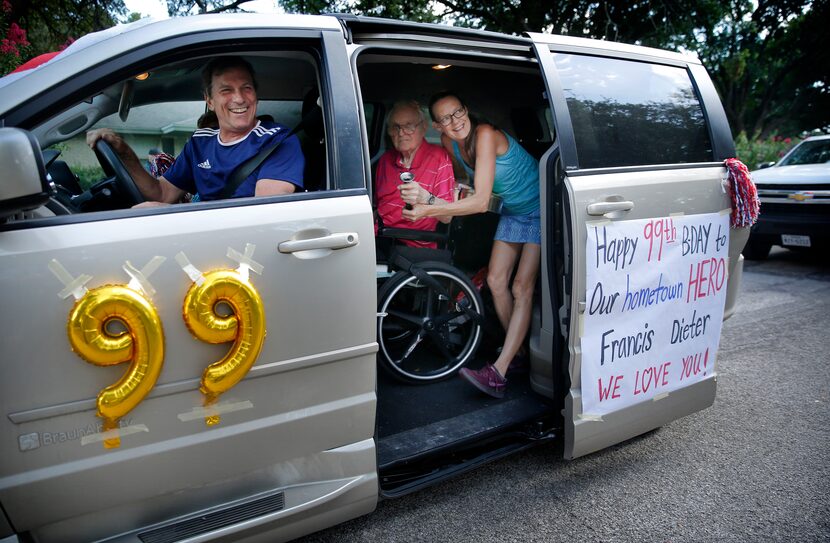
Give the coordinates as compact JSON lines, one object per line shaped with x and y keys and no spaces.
{"x":795,"y":200}
{"x":638,"y":270}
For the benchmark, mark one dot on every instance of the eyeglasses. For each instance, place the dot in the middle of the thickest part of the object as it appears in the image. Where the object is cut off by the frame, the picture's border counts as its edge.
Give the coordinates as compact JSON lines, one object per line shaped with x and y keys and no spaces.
{"x":407,"y":128}
{"x":457,"y":114}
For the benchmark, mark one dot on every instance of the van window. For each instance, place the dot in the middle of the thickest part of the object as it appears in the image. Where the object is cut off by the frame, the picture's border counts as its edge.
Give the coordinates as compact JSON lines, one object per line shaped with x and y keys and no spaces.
{"x":629,"y":113}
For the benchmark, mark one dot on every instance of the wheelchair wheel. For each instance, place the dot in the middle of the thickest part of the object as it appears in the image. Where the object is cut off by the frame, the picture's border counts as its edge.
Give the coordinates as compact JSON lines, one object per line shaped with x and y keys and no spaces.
{"x":428,"y":333}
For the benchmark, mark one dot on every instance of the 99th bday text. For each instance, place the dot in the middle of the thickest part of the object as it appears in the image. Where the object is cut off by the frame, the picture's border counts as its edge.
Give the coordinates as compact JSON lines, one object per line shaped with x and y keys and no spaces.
{"x":655,"y":294}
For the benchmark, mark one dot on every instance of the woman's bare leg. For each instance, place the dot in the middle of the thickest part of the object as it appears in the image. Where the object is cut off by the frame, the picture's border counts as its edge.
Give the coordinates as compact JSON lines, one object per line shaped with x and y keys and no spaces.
{"x":503,"y":259}
{"x":522,"y":295}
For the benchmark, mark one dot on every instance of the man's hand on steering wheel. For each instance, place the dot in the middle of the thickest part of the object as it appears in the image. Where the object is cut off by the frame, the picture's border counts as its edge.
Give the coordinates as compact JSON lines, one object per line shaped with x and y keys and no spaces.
{"x":108,"y":147}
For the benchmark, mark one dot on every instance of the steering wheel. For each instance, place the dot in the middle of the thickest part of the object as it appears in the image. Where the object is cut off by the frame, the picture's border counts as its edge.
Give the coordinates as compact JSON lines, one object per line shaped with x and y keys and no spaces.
{"x":114,"y":167}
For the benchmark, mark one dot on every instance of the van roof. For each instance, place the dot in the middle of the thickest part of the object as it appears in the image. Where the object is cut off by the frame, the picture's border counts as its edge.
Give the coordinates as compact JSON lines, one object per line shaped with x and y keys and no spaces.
{"x":86,"y":52}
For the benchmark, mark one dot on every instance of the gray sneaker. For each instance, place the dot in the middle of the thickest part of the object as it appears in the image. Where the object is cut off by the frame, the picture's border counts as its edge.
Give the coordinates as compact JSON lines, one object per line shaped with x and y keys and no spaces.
{"x":487,"y":379}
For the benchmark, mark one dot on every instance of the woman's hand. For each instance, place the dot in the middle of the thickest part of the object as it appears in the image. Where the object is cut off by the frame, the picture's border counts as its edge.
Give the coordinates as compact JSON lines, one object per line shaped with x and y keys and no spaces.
{"x":417,"y":212}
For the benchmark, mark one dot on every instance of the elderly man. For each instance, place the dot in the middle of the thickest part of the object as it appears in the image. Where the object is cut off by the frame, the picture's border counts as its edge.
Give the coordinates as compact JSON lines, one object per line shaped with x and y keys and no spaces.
{"x":212,"y":154}
{"x":433,"y":179}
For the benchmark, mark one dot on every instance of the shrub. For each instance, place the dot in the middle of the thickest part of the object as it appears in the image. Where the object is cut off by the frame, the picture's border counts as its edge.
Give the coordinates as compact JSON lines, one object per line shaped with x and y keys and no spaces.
{"x":754,"y":152}
{"x":88,"y":175}
{"x":14,"y":47}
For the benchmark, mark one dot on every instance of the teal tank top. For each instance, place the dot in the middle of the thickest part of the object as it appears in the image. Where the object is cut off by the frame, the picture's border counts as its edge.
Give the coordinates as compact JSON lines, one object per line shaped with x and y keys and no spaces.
{"x":516,"y":181}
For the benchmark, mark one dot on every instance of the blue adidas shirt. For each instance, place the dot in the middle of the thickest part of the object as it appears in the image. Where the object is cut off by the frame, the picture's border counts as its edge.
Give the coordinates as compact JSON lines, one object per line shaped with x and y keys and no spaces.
{"x":206,"y":163}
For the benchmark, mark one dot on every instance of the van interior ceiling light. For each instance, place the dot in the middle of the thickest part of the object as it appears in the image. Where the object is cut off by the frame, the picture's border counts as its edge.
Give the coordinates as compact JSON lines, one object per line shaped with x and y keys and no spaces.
{"x":441,"y":66}
{"x":143,"y":76}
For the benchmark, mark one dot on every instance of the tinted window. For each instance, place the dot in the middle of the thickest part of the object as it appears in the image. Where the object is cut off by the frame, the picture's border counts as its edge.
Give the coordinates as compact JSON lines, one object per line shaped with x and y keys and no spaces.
{"x":809,"y":152}
{"x":628,"y":113}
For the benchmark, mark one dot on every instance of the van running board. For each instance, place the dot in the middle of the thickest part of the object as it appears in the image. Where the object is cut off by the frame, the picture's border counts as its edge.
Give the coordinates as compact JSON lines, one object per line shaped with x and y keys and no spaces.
{"x":216,"y":520}
{"x":488,"y":419}
{"x":404,"y":478}
{"x":413,"y":459}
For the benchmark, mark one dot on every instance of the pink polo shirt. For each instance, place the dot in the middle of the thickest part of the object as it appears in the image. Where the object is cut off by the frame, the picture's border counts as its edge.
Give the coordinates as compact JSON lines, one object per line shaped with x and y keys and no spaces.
{"x":432,"y":169}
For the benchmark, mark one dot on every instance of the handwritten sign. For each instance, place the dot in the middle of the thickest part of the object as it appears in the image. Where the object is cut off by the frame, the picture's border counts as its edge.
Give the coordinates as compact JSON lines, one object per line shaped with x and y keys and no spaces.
{"x":655,"y":293}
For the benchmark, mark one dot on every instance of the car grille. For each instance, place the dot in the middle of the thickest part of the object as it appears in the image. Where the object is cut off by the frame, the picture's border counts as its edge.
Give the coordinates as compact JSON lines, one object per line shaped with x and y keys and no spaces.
{"x":789,"y":195}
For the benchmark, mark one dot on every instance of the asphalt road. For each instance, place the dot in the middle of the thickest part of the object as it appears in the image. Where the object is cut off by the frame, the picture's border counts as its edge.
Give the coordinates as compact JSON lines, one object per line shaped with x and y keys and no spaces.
{"x":754,"y":467}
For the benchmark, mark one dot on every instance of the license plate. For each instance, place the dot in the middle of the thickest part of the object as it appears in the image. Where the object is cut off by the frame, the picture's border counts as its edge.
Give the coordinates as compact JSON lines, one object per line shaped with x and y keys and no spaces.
{"x":795,"y":241}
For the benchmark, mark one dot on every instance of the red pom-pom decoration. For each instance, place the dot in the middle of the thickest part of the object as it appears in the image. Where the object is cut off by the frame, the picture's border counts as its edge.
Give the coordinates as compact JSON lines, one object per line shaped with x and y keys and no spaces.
{"x":160,"y":163}
{"x":745,"y":202}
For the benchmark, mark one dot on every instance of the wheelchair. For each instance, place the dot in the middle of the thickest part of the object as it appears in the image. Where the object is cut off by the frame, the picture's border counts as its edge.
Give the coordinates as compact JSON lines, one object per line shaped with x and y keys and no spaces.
{"x":430,"y":314}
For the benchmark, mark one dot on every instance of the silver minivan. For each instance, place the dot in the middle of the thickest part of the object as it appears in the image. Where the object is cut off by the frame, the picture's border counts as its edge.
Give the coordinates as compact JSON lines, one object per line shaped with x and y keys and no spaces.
{"x":638,"y":271}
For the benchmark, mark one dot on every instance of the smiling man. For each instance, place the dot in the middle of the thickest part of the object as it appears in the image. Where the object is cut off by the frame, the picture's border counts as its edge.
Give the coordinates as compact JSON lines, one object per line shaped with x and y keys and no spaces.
{"x":212,"y":154}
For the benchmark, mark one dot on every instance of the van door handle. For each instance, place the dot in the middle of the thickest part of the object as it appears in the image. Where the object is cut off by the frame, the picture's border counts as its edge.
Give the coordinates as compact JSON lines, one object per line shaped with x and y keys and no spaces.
{"x":341,"y":240}
{"x":601,"y":208}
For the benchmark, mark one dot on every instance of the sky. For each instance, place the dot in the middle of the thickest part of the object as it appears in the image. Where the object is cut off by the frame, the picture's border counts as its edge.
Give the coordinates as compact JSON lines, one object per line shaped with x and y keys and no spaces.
{"x":158,"y":8}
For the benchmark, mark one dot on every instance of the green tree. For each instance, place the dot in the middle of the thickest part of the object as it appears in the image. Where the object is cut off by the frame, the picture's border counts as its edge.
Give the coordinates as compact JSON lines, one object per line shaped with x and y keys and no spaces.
{"x":770,"y":61}
{"x":52,"y":24}
{"x":193,"y":7}
{"x":421,"y":11}
{"x":768,"y":58}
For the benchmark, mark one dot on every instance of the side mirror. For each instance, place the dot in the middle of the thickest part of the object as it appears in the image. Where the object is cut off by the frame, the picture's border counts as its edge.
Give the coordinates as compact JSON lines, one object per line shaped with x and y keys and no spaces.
{"x":763,"y":165}
{"x":24,"y":184}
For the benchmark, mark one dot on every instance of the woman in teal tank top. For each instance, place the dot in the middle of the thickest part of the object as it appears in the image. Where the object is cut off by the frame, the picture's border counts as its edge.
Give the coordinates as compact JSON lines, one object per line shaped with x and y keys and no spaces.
{"x":500,"y":166}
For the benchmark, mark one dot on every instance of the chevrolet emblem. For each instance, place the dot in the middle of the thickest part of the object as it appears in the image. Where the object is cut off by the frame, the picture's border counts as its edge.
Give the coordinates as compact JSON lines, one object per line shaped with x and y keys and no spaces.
{"x":800,"y":196}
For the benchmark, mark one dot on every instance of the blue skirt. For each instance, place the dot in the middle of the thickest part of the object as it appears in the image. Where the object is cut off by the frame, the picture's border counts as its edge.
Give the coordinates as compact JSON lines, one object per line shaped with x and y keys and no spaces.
{"x":520,"y":229}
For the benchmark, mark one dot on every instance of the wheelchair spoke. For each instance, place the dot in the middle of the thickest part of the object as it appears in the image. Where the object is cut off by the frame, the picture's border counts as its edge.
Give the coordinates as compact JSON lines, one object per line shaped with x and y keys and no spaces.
{"x":415,"y":342}
{"x":457,"y":339}
{"x":408,"y":317}
{"x":430,"y":325}
{"x":449,"y":317}
{"x":438,"y":341}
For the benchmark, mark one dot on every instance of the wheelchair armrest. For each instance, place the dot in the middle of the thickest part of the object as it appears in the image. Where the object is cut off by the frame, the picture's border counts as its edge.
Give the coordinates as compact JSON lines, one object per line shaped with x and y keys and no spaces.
{"x":413,"y":234}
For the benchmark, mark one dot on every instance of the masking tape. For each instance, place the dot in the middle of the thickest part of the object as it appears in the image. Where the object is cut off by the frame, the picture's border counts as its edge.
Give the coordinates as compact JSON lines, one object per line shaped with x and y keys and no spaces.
{"x":113,"y":434}
{"x":660,"y":396}
{"x":199,"y":413}
{"x":73,"y":286}
{"x":590,"y":417}
{"x":139,"y":279}
{"x":191,"y":270}
{"x":246,"y":261}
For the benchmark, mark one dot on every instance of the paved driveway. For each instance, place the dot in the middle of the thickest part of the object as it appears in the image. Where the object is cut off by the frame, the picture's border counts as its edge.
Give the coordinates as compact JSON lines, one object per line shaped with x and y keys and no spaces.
{"x":754,"y":467}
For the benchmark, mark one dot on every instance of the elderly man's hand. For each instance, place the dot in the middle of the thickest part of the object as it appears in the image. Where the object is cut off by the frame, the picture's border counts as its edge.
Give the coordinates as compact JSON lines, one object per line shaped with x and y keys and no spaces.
{"x":413,"y":193}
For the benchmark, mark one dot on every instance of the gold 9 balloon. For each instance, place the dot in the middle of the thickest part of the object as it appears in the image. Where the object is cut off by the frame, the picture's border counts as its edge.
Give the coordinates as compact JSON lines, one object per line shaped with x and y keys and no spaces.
{"x":141,"y":345}
{"x":245,"y":327}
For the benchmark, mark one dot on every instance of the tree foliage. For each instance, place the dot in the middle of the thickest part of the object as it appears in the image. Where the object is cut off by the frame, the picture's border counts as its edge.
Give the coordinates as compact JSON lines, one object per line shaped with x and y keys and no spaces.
{"x":771,"y":63}
{"x":421,"y":11}
{"x":769,"y":59}
{"x":52,"y":24}
{"x":193,"y":7}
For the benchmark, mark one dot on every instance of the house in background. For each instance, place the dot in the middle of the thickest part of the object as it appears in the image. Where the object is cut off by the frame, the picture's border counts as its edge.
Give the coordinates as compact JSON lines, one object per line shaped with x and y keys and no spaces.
{"x":165,"y":126}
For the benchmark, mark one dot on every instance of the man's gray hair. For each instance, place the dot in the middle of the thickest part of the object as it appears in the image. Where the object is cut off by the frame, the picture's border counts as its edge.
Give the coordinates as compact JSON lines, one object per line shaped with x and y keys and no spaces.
{"x":407,"y":104}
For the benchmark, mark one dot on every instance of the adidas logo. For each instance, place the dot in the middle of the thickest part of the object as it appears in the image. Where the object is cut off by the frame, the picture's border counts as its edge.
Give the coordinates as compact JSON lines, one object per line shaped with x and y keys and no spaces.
{"x":205,"y":164}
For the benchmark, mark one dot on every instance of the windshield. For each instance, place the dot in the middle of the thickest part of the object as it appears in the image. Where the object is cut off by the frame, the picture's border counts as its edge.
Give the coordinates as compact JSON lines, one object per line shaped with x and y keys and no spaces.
{"x":809,"y":152}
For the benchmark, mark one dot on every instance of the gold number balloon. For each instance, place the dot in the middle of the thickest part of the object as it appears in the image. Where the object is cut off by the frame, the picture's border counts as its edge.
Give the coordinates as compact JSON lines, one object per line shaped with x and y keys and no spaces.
{"x":245,"y":327}
{"x":140,"y":343}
